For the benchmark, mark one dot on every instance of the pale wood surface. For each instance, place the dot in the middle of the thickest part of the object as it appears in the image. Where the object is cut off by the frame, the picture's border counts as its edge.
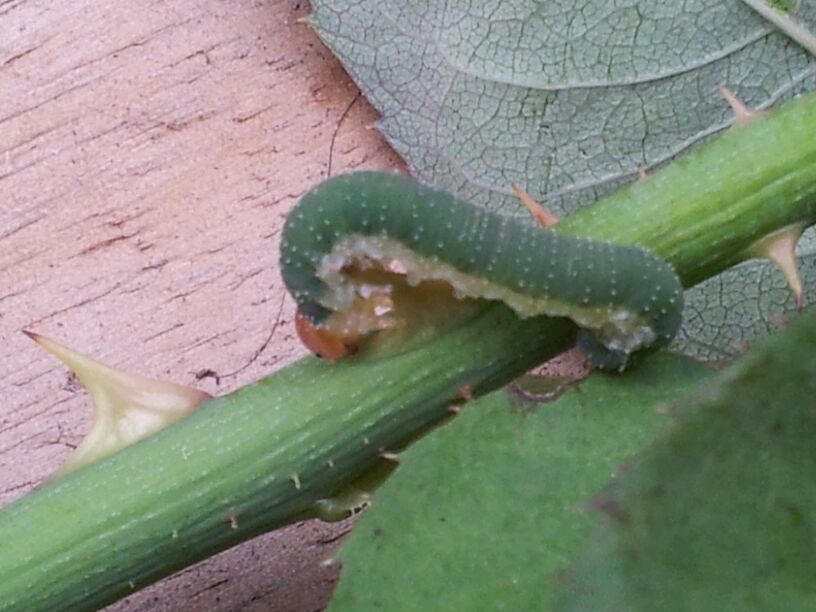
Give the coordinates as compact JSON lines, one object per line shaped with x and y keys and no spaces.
{"x":149,"y":152}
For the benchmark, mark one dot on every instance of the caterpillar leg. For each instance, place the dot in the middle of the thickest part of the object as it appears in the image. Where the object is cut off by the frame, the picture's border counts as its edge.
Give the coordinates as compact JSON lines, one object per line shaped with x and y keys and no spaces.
{"x":599,"y":355}
{"x":341,"y":333}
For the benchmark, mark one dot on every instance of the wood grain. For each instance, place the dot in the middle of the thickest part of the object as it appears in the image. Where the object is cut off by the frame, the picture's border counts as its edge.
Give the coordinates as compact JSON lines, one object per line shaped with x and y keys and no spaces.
{"x":149,"y":152}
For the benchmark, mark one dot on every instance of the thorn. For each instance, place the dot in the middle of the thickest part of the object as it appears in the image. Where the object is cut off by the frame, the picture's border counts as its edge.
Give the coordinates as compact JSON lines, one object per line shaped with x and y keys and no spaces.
{"x":389,"y":456}
{"x":742,"y":113}
{"x":295,"y":480}
{"x":127,"y":407}
{"x":642,"y":173}
{"x":233,"y":520}
{"x":783,"y":253}
{"x":455,"y":409}
{"x":780,"y":248}
{"x":466,"y":392}
{"x":544,"y":217}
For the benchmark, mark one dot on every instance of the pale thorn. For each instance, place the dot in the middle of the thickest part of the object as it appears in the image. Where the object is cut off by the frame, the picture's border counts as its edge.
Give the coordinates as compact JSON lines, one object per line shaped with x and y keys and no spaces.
{"x":642,"y":173}
{"x":295,"y":480}
{"x":742,"y":113}
{"x":232,"y":519}
{"x":544,"y":217}
{"x":127,"y":407}
{"x":780,"y":248}
{"x":389,"y":456}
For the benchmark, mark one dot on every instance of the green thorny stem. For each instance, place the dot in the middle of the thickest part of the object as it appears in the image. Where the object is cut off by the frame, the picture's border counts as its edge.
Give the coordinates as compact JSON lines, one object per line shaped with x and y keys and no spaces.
{"x":265,"y":455}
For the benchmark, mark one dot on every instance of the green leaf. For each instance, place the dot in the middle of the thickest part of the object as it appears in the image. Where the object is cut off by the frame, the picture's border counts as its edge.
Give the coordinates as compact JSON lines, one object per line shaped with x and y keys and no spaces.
{"x":721,"y":513}
{"x":567,"y":100}
{"x":482,"y":514}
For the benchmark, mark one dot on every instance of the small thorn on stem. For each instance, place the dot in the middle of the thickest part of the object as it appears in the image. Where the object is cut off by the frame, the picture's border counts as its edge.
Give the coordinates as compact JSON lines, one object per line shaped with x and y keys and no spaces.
{"x":544,"y":217}
{"x":389,"y":456}
{"x":295,"y":479}
{"x":465,"y":392}
{"x":642,"y":173}
{"x":742,"y":113}
{"x":783,"y":254}
{"x":780,"y":248}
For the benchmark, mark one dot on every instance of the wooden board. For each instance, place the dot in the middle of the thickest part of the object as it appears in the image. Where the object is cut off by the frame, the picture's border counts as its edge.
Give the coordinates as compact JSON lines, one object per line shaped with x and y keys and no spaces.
{"x":149,"y":152}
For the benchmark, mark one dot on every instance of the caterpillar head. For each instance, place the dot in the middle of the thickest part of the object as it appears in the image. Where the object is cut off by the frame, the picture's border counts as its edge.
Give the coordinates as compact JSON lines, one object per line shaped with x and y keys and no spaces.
{"x":322,"y":342}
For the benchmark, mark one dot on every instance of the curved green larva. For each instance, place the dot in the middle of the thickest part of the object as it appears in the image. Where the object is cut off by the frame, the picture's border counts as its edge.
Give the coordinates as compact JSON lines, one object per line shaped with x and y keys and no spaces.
{"x":623,"y":298}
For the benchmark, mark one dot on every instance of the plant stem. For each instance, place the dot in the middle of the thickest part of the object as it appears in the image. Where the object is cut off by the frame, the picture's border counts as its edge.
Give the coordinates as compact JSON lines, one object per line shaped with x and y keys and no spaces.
{"x":263,"y":456}
{"x":788,"y":25}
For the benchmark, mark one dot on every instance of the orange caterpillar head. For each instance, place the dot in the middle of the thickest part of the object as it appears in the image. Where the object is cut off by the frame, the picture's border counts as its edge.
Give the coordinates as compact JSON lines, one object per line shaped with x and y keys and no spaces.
{"x":322,"y":342}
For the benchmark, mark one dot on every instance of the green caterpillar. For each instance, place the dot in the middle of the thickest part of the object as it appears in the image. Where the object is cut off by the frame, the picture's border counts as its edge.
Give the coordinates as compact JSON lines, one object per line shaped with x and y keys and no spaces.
{"x":623,"y":298}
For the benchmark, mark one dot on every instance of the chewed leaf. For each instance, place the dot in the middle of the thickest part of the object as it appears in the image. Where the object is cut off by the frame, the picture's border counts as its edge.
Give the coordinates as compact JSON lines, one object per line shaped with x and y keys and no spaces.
{"x":127,"y":407}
